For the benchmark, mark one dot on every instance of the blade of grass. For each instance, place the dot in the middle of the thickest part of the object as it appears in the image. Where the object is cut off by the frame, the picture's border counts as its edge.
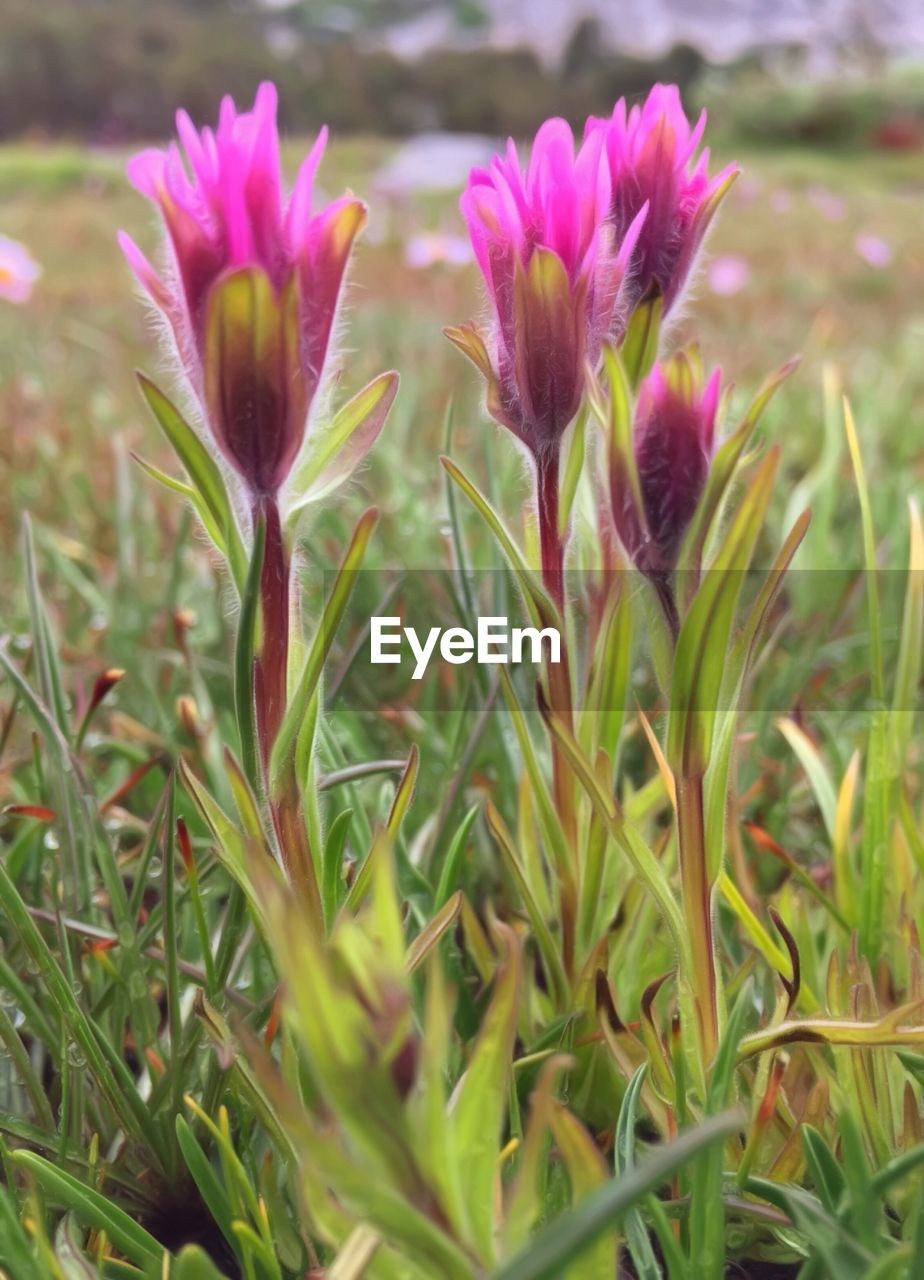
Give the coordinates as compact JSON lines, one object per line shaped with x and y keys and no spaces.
{"x":565,"y":1240}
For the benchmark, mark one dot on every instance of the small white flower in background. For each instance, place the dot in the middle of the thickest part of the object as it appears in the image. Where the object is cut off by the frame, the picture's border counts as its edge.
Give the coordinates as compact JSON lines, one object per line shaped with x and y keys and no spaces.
{"x":873,"y":249}
{"x":18,"y":271}
{"x":431,"y":248}
{"x":727,"y":275}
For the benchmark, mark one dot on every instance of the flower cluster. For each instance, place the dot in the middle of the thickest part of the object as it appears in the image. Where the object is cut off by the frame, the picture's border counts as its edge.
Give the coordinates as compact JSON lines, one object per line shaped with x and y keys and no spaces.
{"x":571,"y":249}
{"x":253,"y":282}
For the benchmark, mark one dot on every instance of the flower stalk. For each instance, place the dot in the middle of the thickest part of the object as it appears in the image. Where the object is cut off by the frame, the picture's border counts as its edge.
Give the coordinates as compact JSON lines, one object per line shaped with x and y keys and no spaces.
{"x":697,"y":907}
{"x":272,"y":662}
{"x":250,"y":290}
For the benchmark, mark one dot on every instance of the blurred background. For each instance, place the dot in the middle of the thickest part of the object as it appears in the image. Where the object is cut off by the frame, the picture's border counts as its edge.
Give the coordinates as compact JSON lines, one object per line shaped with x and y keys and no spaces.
{"x":111,"y":70}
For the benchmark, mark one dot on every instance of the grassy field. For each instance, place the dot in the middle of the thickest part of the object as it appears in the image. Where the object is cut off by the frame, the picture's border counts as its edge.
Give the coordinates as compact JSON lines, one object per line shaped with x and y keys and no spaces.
{"x":829,"y":255}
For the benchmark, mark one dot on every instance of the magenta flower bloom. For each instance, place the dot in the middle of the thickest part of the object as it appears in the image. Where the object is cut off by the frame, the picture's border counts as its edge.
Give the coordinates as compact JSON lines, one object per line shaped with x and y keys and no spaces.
{"x":252,"y":283}
{"x":555,"y":269}
{"x":18,"y":271}
{"x":652,"y":160}
{"x":673,"y":439}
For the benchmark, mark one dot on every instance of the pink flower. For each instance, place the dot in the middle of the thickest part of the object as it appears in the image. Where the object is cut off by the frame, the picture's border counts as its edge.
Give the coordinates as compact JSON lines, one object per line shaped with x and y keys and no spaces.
{"x":652,"y":154}
{"x":728,"y":275}
{"x":873,"y":249}
{"x":18,"y":271}
{"x":829,"y":205}
{"x":555,"y":269}
{"x":427,"y":249}
{"x":252,"y":284}
{"x":673,"y":439}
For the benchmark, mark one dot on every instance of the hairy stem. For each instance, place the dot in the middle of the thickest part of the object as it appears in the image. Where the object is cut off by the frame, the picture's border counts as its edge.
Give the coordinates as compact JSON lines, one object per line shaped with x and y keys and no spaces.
{"x":697,"y":911}
{"x":551,"y":547}
{"x":551,"y":544}
{"x":271,"y":696}
{"x":273,"y":659}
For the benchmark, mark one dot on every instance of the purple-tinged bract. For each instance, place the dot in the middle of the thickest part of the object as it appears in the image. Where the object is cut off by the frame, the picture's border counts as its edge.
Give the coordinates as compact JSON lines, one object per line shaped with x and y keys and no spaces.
{"x":673,"y":438}
{"x":252,"y":284}
{"x":652,"y":160}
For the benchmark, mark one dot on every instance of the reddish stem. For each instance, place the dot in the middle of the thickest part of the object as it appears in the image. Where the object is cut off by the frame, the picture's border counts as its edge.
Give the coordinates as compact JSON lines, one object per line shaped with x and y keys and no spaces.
{"x":271,"y":697}
{"x":552,"y":551}
{"x":273,"y":660}
{"x":551,"y":544}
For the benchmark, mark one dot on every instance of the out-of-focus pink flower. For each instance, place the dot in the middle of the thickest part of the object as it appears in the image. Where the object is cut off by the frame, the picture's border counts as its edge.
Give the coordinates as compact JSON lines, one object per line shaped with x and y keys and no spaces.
{"x":673,"y":439}
{"x":253,"y":280}
{"x":434,"y":248}
{"x":18,"y":271}
{"x":748,"y":189}
{"x":555,"y":267}
{"x":652,"y":155}
{"x":829,"y":205}
{"x":728,"y":275}
{"x":873,"y":249}
{"x":780,"y":200}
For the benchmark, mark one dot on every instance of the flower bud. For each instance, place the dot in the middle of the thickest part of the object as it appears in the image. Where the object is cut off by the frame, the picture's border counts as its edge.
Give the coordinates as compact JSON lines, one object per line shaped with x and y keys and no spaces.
{"x":187,"y":713}
{"x":672,"y":440}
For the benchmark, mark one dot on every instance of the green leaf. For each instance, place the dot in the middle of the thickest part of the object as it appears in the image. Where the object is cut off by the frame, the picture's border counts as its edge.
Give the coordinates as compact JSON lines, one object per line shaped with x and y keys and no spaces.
{"x":118,"y":1087}
{"x":479,"y":1103}
{"x":15,"y":1250}
{"x":640,"y":346}
{"x":699,"y":661}
{"x":192,"y":1263}
{"x":69,"y":1253}
{"x":93,"y":1209}
{"x":721,"y":473}
{"x":192,"y":495}
{"x":245,"y":658}
{"x":823,"y":1168}
{"x":562,"y":1243}
{"x":202,"y":470}
{"x":571,"y":475}
{"x":707,"y":1214}
{"x":435,"y":929}
{"x":449,"y":873}
{"x":614,"y":412}
{"x":587,"y":1171}
{"x":332,"y":863}
{"x":539,"y":605}
{"x":334,"y":453}
{"x":637,"y":1239}
{"x":548,"y":949}
{"x":826,"y":1237}
{"x":816,"y":771}
{"x":207,"y":1180}
{"x":300,"y":701}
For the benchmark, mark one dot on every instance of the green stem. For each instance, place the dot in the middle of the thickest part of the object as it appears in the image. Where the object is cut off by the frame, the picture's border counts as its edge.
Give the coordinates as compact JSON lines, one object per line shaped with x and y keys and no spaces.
{"x":696,"y":892}
{"x":271,"y":697}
